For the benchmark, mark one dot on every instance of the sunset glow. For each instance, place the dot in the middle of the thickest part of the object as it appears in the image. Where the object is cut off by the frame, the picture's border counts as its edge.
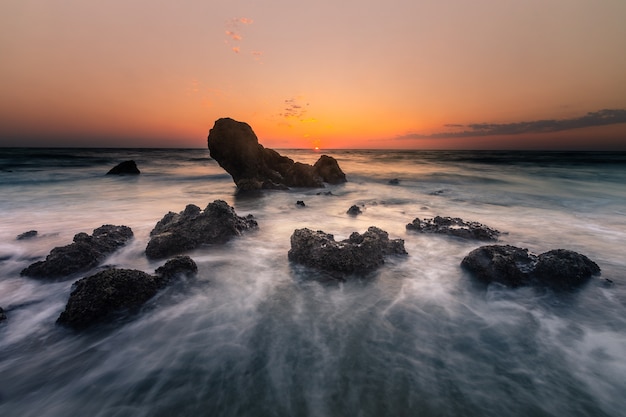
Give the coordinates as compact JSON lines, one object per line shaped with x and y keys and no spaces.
{"x":366,"y":75}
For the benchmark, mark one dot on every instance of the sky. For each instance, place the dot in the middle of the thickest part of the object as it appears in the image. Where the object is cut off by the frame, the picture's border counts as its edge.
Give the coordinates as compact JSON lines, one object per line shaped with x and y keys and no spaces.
{"x":408,"y":74}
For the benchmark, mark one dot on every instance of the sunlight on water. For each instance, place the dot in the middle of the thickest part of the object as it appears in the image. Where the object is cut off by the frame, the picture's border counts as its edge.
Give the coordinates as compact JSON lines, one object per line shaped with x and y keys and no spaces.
{"x":253,"y":335}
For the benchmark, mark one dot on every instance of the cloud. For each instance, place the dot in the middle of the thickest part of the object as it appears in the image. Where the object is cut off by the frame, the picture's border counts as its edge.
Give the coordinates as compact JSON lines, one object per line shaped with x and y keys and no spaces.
{"x":294,"y":109}
{"x":591,"y":119}
{"x":233,"y":31}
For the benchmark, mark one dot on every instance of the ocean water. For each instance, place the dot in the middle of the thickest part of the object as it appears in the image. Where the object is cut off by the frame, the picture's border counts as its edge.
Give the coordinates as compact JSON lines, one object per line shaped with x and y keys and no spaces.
{"x":254,"y":335}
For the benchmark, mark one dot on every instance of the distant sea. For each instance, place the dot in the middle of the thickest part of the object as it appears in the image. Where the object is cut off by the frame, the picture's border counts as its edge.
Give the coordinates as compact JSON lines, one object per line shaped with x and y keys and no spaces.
{"x":253,"y":335}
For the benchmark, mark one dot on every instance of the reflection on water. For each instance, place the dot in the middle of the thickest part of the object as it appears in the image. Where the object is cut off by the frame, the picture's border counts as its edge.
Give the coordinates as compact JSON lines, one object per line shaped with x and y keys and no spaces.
{"x":253,"y":335}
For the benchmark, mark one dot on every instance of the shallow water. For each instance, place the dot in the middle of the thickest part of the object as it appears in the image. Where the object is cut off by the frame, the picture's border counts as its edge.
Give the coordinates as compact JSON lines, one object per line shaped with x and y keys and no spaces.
{"x":253,"y":335}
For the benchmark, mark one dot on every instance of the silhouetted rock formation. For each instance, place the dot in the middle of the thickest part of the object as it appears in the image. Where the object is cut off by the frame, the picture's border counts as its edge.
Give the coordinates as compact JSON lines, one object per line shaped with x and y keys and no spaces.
{"x":85,"y":253}
{"x":514,"y":267}
{"x":354,"y":210}
{"x":357,"y":254}
{"x":113,"y":292}
{"x":125,"y":168}
{"x":180,"y":232}
{"x":454,"y":227}
{"x":27,"y":235}
{"x":236,"y":148}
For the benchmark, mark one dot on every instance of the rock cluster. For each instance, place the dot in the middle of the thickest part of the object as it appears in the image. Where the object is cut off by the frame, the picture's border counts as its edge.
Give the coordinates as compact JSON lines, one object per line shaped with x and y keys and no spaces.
{"x":513,"y":266}
{"x":179,"y":232}
{"x":98,"y":298}
{"x":236,"y":148}
{"x":86,"y":252}
{"x":125,"y":168}
{"x":454,"y":227}
{"x":359,"y":253}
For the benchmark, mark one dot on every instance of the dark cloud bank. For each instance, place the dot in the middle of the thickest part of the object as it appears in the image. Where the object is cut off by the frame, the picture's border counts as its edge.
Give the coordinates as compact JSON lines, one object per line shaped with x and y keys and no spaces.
{"x":598,"y":118}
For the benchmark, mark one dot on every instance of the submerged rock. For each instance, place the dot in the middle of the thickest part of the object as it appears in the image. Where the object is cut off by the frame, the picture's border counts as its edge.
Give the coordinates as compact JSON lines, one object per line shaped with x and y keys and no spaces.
{"x":84,"y":253}
{"x":125,"y":168}
{"x":180,"y":232}
{"x":515,"y":267}
{"x":360,"y":253}
{"x":236,"y":148}
{"x":354,"y":210}
{"x":113,"y":292}
{"x":300,"y":203}
{"x":27,"y":235}
{"x":3,"y":316}
{"x":454,"y":227}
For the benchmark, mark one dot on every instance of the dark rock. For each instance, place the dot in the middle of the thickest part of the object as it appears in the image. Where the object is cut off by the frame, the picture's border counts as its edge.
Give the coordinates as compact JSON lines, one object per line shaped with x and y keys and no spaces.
{"x":514,"y":267}
{"x":85,"y":253}
{"x":300,"y":203}
{"x":394,"y":181}
{"x":179,"y":265}
{"x":327,"y":167}
{"x":354,"y":210}
{"x":454,"y":227}
{"x":114,"y":292}
{"x":236,"y":148}
{"x":357,"y":254}
{"x":27,"y":235}
{"x":3,"y":316}
{"x":325,"y":193}
{"x":180,"y":232}
{"x":565,"y":268}
{"x":125,"y":168}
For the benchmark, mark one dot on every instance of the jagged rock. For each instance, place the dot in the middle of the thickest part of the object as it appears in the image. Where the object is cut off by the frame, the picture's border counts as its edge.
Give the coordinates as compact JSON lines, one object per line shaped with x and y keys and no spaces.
{"x":180,"y":232}
{"x":515,"y":267}
{"x":454,"y":227}
{"x":236,"y":148}
{"x":125,"y":168}
{"x":360,"y":253}
{"x":3,"y":316}
{"x":27,"y":235}
{"x":113,"y":292}
{"x":84,"y":253}
{"x":354,"y":210}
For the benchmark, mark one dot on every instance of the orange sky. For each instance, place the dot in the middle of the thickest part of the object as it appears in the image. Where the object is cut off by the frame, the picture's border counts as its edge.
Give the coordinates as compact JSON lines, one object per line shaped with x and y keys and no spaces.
{"x":352,"y":74}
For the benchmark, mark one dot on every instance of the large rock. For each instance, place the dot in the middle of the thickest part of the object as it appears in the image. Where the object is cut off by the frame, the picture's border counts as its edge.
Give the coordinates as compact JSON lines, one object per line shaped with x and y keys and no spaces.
{"x":125,"y":168}
{"x":360,"y":253}
{"x":113,"y":292}
{"x":236,"y":148}
{"x":515,"y":267}
{"x":454,"y":227}
{"x":180,"y":232}
{"x":84,"y":253}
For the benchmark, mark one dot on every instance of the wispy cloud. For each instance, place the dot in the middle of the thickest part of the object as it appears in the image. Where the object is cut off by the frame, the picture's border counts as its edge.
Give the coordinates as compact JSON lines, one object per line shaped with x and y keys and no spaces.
{"x":591,"y":119}
{"x":295,"y":109}
{"x":233,"y":31}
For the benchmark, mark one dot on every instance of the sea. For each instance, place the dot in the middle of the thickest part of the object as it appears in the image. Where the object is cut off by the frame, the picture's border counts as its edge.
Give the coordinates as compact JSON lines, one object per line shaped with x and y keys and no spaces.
{"x":256,"y":335}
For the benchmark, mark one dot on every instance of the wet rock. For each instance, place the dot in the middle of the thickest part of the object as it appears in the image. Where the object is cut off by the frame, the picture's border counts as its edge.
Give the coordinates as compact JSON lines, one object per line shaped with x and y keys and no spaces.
{"x":3,"y":316}
{"x":327,"y":167}
{"x":394,"y":181}
{"x":86,"y":252}
{"x":454,"y":227}
{"x":176,"y":233}
{"x":513,"y":266}
{"x":360,"y":253}
{"x":116,"y":292}
{"x":354,"y":210}
{"x":125,"y":168}
{"x":27,"y":235}
{"x":300,"y":203}
{"x":236,"y":148}
{"x":179,"y":265}
{"x":564,"y":268}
